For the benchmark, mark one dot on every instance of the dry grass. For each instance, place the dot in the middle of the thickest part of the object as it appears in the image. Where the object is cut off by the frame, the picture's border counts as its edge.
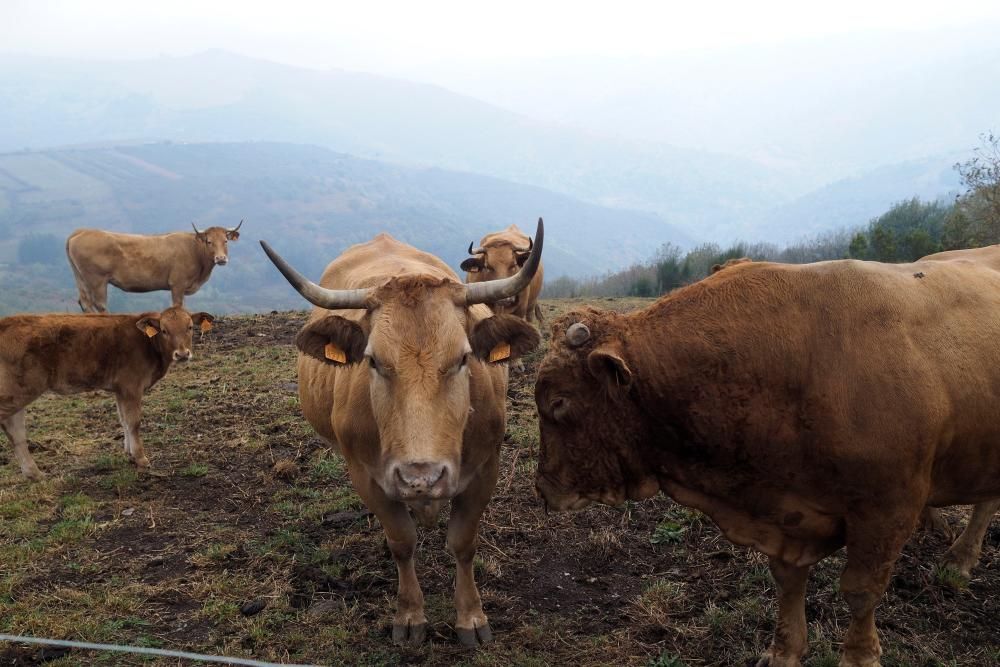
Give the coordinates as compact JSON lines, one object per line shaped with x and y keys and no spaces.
{"x":245,"y":505}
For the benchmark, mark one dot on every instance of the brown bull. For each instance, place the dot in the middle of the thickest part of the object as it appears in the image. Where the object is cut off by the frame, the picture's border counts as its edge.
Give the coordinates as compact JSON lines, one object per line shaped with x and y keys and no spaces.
{"x":802,"y":408}
{"x":964,"y":553}
{"x":69,"y":354}
{"x":180,"y":262}
{"x":501,"y":255}
{"x":403,"y":369}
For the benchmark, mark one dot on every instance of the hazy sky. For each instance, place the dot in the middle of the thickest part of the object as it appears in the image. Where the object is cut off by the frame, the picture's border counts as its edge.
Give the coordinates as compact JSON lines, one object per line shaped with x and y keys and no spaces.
{"x":384,"y":36}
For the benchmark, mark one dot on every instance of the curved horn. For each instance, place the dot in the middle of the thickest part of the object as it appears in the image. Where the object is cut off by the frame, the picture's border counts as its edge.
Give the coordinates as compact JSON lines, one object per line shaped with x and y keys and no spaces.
{"x":477,"y":251}
{"x":236,"y":228}
{"x":495,"y":290}
{"x":331,"y":299}
{"x":577,"y":334}
{"x":196,"y":232}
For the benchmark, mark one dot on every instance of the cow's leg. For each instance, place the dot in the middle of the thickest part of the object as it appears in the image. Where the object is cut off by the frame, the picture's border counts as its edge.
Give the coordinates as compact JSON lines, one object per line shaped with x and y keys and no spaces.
{"x":932,"y":520}
{"x":14,"y":427}
{"x":177,"y":295}
{"x":130,"y":411}
{"x":874,"y":542}
{"x":964,"y":553}
{"x":409,"y":625}
{"x":471,"y":625}
{"x":791,"y":636}
{"x":99,"y":296}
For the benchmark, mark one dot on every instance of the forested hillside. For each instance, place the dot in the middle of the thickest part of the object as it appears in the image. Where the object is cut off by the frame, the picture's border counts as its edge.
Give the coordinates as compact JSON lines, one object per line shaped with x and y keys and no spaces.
{"x":310,"y":202}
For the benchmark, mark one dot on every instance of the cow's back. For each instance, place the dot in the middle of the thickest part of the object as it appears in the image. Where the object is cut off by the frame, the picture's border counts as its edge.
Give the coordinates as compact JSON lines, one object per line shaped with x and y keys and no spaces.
{"x":907,"y":355}
{"x":988,"y":256}
{"x":133,"y":262}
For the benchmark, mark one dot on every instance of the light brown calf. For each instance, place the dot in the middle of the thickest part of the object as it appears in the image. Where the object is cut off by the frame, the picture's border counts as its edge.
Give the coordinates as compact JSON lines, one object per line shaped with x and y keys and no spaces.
{"x":68,"y":354}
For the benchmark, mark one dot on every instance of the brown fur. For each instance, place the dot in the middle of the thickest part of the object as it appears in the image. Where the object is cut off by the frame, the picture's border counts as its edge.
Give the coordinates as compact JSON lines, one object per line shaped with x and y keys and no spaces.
{"x":501,"y":261}
{"x":803,"y":408}
{"x":411,"y":400}
{"x":68,"y":354}
{"x":730,"y":262}
{"x":180,"y":262}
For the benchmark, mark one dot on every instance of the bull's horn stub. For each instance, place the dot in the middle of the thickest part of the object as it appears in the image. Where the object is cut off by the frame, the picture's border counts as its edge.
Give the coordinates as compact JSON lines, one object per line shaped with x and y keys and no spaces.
{"x":334,"y":353}
{"x":206,"y":326}
{"x":577,"y":334}
{"x":151,"y":330}
{"x":500,"y":352}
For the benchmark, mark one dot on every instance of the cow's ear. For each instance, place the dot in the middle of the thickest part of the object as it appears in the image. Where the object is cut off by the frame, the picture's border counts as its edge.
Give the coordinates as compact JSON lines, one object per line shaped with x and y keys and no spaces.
{"x":473,"y":264}
{"x":232,"y":235}
{"x":149,"y":325}
{"x":203,"y":320}
{"x":522,"y":257}
{"x":333,"y":340}
{"x":503,"y":338}
{"x":607,"y":365}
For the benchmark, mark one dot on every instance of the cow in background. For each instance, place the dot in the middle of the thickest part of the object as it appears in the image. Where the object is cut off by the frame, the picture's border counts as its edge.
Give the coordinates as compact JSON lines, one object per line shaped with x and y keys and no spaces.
{"x":69,"y":354}
{"x":404,"y":369}
{"x":180,"y":262}
{"x":501,"y":255}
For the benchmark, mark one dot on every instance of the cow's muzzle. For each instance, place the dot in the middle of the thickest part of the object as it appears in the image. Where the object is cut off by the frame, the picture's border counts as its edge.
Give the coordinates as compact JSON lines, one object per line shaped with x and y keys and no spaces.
{"x":221,"y":261}
{"x":182,"y":355}
{"x":556,"y":500}
{"x":425,"y":480}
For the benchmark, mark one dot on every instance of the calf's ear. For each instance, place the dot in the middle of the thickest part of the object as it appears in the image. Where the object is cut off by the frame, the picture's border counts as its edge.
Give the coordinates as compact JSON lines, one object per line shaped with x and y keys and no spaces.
{"x":203,"y":320}
{"x":503,"y":338}
{"x":333,"y":340}
{"x":149,"y":325}
{"x":607,"y":365}
{"x":473,"y":265}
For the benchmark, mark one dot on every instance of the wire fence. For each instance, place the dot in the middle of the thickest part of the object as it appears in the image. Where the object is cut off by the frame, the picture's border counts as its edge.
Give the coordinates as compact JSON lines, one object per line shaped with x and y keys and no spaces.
{"x":144,"y":650}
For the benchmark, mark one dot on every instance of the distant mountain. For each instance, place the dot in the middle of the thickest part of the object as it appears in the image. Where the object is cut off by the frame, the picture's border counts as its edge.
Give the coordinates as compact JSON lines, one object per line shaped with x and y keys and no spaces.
{"x":853,"y":202}
{"x":813,"y":110}
{"x":310,"y":202}
{"x":217,"y":96}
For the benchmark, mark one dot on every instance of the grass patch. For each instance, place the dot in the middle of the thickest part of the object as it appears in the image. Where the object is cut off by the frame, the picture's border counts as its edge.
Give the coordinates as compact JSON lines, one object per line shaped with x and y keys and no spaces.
{"x":195,"y":470}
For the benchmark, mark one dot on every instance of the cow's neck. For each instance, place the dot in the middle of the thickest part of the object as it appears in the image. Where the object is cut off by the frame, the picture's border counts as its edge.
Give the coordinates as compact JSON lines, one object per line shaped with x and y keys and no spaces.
{"x":205,"y":261}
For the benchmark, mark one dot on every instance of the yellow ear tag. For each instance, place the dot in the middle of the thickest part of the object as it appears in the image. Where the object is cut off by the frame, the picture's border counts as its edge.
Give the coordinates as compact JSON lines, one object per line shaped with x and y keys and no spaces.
{"x":500,"y":352}
{"x":206,"y":326}
{"x":334,"y":353}
{"x":151,"y":330}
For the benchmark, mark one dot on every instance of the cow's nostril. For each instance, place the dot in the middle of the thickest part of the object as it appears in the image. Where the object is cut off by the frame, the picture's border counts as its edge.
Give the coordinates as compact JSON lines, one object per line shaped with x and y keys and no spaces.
{"x":421,"y":476}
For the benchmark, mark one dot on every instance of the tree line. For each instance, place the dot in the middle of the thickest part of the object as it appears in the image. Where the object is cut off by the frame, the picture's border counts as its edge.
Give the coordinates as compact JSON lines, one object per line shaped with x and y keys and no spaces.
{"x":909,"y":230}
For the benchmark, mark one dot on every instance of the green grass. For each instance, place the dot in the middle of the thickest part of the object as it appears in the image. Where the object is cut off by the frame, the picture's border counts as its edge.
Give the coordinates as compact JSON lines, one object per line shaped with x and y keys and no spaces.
{"x":195,"y":470}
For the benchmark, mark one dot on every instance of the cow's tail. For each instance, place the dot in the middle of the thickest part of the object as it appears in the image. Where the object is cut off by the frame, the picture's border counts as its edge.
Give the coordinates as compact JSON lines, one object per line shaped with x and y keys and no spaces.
{"x":86,"y":300}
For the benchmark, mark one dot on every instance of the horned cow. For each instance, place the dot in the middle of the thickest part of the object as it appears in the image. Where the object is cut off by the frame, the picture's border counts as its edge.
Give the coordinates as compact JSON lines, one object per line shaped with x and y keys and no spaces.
{"x":69,"y":354}
{"x":803,"y":408}
{"x":404,"y":369}
{"x":180,"y":262}
{"x":501,"y":255}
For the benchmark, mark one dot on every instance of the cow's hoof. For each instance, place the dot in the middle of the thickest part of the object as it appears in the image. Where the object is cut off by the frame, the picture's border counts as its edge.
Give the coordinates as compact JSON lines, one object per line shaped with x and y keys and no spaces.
{"x":407,"y":633}
{"x":141,"y":462}
{"x":474,"y":637}
{"x":34,"y":474}
{"x":769,"y":659}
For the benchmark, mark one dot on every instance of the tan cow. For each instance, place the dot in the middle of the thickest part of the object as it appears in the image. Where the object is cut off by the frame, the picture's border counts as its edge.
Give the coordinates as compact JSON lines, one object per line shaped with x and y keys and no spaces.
{"x":69,"y":354}
{"x":403,"y":369}
{"x":803,"y":408}
{"x":180,"y":262}
{"x":501,"y":255}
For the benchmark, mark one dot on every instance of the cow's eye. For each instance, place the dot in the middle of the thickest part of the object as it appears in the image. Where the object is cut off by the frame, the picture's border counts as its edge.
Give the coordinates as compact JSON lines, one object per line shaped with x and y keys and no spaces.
{"x":457,"y":366}
{"x":559,"y":408}
{"x":379,"y":368}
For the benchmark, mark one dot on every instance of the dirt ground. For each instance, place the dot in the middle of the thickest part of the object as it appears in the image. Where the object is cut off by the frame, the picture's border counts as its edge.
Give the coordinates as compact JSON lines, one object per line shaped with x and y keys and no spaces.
{"x":246,"y":539}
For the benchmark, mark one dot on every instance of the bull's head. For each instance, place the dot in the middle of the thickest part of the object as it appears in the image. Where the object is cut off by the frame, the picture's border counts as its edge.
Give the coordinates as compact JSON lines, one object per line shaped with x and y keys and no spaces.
{"x":592,"y":433}
{"x":172,"y":331}
{"x":496,"y":260}
{"x":216,"y":241}
{"x":420,"y":343}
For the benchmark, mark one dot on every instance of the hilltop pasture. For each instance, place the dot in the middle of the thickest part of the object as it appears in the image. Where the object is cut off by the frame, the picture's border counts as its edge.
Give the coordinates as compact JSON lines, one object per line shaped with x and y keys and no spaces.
{"x":246,"y":539}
